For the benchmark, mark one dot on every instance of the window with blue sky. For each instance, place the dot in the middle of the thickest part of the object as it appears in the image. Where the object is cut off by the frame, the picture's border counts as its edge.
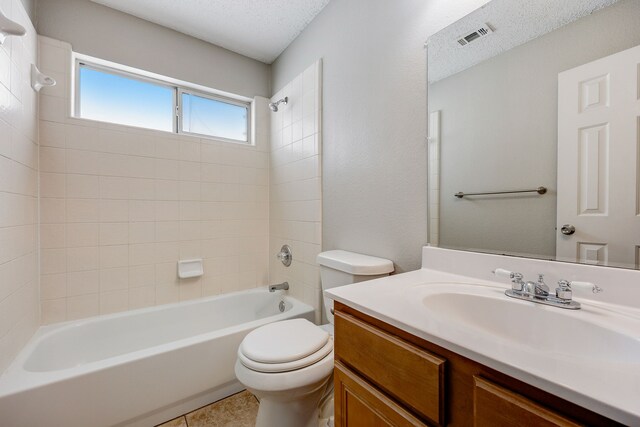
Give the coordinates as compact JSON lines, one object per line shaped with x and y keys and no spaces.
{"x":116,"y":97}
{"x":207,"y":116}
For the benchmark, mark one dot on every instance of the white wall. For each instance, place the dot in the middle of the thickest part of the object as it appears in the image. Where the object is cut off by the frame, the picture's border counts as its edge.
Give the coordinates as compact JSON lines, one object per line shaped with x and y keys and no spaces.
{"x":295,"y":196}
{"x":120,"y":206}
{"x":374,"y":119}
{"x":30,"y":8}
{"x":109,"y":34}
{"x":19,"y":312}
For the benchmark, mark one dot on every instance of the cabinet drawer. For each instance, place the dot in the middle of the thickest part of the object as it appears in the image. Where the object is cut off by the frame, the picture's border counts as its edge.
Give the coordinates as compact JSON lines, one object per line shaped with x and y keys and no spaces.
{"x":404,"y":371}
{"x":495,"y":406}
{"x":358,"y":404}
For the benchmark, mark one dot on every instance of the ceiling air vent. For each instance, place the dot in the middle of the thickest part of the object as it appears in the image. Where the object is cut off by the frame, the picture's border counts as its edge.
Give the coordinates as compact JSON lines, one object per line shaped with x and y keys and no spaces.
{"x":485,"y":30}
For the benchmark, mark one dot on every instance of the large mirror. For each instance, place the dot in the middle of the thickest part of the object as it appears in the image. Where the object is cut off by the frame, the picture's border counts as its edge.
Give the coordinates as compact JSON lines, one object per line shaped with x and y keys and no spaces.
{"x":539,"y":102}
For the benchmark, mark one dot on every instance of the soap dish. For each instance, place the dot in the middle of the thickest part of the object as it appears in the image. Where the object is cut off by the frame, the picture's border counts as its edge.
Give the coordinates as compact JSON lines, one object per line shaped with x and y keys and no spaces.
{"x":189,"y":268}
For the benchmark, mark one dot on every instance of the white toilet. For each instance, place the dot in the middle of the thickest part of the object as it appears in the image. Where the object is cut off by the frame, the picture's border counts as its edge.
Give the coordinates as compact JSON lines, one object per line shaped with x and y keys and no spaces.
{"x":288,"y":365}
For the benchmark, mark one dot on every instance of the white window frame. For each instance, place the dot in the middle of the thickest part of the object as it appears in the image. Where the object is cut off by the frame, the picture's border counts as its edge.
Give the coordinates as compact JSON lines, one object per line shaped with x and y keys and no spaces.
{"x":178,"y":87}
{"x":180,"y":116}
{"x":84,"y":64}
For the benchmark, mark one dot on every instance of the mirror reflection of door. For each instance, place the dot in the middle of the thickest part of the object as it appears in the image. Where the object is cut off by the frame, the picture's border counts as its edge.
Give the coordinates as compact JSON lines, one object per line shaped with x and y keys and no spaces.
{"x":497,"y":114}
{"x":598,"y":175}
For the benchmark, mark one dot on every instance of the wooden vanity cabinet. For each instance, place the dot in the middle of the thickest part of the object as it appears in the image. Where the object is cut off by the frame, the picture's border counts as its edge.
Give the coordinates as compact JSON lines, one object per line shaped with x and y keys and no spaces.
{"x":387,"y":377}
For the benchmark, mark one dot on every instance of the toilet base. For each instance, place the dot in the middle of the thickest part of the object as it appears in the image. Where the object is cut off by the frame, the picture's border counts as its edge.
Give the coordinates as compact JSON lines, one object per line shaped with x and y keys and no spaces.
{"x":284,"y":410}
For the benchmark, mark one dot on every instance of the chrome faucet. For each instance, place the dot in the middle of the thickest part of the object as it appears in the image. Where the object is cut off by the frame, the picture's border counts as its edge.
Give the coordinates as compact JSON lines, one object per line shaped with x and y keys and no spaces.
{"x":284,"y":286}
{"x":540,"y":289}
{"x":538,"y":292}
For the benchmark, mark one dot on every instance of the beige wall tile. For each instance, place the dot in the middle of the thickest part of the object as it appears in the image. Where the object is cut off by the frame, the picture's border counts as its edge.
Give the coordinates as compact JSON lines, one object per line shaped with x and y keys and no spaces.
{"x":190,"y":289}
{"x":52,"y":311}
{"x":143,"y":296}
{"x":83,"y":259}
{"x":52,"y":210}
{"x":167,"y":294}
{"x":20,"y":308}
{"x":82,"y":137}
{"x":83,"y":282}
{"x":114,"y":233}
{"x":82,"y":234}
{"x":52,"y":135}
{"x":53,"y":261}
{"x":114,"y":256}
{"x":52,"y":185}
{"x":114,"y":210}
{"x":52,"y":236}
{"x":112,"y":279}
{"x":295,"y":210}
{"x":83,"y":210}
{"x":142,"y":232}
{"x":142,"y":189}
{"x":53,"y":286}
{"x":82,"y":162}
{"x":114,"y":187}
{"x":167,"y":189}
{"x":82,"y":306}
{"x":142,"y":254}
{"x":120,"y":206}
{"x":142,"y":210}
{"x":142,"y":276}
{"x":52,"y":160}
{"x":83,"y":186}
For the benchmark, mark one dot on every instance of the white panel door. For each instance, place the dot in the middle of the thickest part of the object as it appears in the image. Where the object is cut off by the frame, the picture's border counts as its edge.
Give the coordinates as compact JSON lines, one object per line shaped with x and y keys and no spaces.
{"x":598,"y":161}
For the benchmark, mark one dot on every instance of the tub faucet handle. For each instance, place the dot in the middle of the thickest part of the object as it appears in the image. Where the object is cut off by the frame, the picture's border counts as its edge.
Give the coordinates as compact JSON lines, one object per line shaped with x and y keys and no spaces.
{"x":285,"y":255}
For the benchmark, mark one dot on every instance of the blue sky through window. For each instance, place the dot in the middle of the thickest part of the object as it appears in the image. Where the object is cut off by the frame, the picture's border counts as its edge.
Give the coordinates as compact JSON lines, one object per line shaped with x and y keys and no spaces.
{"x":117,"y":99}
{"x":207,"y":116}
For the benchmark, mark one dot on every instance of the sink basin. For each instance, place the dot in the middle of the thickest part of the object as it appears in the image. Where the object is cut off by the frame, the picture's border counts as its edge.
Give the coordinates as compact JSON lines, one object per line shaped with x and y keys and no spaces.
{"x":587,"y":335}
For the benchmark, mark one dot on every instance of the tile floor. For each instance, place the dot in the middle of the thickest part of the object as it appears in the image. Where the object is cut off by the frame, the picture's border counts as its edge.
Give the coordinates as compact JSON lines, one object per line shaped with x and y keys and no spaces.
{"x":239,"y":410}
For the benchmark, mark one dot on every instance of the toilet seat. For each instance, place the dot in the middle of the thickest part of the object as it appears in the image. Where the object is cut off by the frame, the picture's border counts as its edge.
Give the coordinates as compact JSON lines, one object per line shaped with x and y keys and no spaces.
{"x":287,"y":366}
{"x":285,"y":346}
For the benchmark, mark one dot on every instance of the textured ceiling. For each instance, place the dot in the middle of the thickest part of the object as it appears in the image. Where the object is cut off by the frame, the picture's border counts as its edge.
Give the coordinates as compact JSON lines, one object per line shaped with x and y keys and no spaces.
{"x":515,"y":22}
{"x":259,"y":29}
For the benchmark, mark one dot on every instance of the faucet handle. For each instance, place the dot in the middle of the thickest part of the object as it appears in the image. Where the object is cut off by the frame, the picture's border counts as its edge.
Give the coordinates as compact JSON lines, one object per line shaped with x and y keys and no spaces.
{"x":516,"y":278}
{"x":285,"y":256}
{"x":587,"y":285}
{"x":501,"y":272}
{"x":564,"y":290}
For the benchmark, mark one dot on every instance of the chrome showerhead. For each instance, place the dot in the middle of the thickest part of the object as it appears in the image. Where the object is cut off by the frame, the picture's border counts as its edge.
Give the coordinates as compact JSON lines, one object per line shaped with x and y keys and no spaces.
{"x":274,"y":105}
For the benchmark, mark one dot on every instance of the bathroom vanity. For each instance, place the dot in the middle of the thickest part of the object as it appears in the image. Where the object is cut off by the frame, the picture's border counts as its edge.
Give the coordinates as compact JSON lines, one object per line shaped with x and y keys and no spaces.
{"x":385,"y":376}
{"x":431,"y":347}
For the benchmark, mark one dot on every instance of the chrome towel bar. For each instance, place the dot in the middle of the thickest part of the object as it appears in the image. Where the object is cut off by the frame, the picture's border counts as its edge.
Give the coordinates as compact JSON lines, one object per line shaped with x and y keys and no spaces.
{"x":539,"y":190}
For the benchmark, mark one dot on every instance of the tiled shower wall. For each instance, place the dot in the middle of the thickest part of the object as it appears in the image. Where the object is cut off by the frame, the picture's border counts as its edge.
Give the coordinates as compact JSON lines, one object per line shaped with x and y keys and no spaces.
{"x":120,"y":206}
{"x":19,"y":305}
{"x":296,"y":185}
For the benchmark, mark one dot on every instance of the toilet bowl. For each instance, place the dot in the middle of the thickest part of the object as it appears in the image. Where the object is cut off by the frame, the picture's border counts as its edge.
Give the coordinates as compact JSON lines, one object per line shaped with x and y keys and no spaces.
{"x":287,"y":365}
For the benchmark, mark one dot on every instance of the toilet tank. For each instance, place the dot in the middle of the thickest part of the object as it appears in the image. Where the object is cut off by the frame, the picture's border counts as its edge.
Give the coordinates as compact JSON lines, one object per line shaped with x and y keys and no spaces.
{"x":339,"y":268}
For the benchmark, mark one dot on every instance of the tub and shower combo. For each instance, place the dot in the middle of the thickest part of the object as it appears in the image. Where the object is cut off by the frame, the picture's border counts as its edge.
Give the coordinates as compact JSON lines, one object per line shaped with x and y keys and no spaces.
{"x":137,"y":368}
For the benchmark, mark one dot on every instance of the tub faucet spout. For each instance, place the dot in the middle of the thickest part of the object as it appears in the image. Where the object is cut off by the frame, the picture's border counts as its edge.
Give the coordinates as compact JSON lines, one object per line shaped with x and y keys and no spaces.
{"x":284,"y":286}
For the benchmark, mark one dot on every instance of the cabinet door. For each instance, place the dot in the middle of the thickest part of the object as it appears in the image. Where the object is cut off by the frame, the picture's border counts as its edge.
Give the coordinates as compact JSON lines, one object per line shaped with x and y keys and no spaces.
{"x":405,"y":372}
{"x":358,"y":404}
{"x":495,"y":406}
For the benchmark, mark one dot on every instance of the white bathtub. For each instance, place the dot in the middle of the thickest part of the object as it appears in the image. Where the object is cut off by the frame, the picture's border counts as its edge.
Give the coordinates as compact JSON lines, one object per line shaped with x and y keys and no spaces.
{"x":136,"y":368}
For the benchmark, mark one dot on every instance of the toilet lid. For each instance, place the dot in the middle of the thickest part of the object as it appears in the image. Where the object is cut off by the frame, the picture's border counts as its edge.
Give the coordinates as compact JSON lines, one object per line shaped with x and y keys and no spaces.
{"x":283,"y":342}
{"x":325,"y":351}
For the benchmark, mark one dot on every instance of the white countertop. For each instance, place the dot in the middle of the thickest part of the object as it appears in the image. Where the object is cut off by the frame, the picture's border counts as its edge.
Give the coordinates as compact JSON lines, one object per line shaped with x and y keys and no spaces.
{"x":608,"y":388}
